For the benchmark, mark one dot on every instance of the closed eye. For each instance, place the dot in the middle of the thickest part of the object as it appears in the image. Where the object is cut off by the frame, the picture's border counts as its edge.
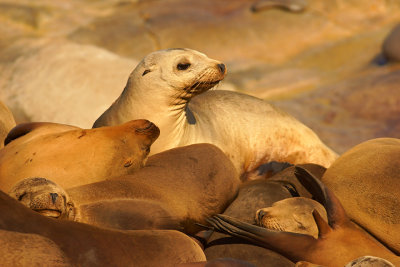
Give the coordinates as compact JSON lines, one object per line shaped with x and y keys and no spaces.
{"x":183,"y":66}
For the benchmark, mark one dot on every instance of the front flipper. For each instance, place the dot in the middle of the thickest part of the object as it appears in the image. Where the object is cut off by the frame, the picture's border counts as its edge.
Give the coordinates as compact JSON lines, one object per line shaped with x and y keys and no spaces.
{"x":291,"y":245}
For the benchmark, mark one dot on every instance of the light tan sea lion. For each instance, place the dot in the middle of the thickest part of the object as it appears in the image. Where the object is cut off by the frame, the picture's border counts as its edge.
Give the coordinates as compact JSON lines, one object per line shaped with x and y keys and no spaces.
{"x":291,"y":215}
{"x":176,"y":188}
{"x":339,"y":241}
{"x":366,"y":179}
{"x":72,"y":156}
{"x":170,"y":87}
{"x":26,"y":250}
{"x":85,"y":245}
{"x":7,"y":122}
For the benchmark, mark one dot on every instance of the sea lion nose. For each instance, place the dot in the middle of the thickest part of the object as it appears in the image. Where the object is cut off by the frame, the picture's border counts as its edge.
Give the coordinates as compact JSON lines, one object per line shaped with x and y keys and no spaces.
{"x":221,"y":68}
{"x":54,"y":197}
{"x":260,"y":215}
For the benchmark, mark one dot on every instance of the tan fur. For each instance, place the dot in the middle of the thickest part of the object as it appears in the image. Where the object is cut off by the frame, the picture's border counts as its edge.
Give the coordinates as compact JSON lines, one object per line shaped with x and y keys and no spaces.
{"x":291,"y":215}
{"x":366,"y":179}
{"x":26,"y":250}
{"x":75,"y":156}
{"x":249,"y":130}
{"x":339,"y":241}
{"x":7,"y":122}
{"x":174,"y":189}
{"x":85,"y":245}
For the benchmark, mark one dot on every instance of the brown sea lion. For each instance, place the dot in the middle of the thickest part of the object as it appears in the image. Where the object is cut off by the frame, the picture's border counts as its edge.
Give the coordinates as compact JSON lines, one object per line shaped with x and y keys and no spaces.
{"x":253,"y":196}
{"x":174,"y":189}
{"x":171,"y":88}
{"x":86,"y":245}
{"x":366,"y":179}
{"x":339,"y":241}
{"x":72,"y":156}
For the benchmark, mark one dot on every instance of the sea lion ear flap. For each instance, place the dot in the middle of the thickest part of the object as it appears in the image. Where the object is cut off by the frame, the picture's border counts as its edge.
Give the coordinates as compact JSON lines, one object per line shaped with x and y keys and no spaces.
{"x":149,"y":64}
{"x":334,"y":209}
{"x":21,"y":130}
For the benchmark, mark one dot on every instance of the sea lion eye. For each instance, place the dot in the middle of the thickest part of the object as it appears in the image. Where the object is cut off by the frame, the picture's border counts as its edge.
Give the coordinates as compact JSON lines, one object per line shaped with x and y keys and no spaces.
{"x":145,"y":72}
{"x":183,"y":66}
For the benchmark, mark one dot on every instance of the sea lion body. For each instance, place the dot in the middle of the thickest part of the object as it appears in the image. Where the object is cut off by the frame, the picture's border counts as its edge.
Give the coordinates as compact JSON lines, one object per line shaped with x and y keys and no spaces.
{"x":72,"y":156}
{"x":249,"y":130}
{"x":174,"y":189}
{"x":85,"y":245}
{"x":366,"y":179}
{"x":25,"y":250}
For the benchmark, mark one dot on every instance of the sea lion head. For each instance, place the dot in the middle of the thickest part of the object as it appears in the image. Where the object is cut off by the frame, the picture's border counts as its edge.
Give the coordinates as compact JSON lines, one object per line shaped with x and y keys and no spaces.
{"x":187,"y":72}
{"x":44,"y":197}
{"x":291,"y":215}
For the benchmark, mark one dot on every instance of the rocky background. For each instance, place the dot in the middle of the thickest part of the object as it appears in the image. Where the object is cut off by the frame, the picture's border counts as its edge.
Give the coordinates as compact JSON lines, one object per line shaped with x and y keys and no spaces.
{"x":321,"y":61}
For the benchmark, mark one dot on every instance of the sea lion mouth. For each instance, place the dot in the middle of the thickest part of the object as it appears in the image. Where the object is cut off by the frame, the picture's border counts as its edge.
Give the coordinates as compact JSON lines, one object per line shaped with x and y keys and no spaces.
{"x":49,"y":213}
{"x":199,"y":87}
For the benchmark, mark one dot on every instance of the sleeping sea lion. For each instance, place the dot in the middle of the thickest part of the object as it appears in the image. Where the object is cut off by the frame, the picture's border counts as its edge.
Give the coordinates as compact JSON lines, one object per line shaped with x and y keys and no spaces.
{"x":171,"y":88}
{"x":86,"y":245}
{"x":72,"y":156}
{"x":291,"y":215}
{"x":339,"y":241}
{"x":176,"y":188}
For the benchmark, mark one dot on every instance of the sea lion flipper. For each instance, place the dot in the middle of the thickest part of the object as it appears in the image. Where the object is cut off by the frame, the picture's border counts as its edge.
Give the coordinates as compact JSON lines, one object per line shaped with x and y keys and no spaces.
{"x":312,"y":184}
{"x":334,"y":209}
{"x":323,"y":227}
{"x":285,"y":243}
{"x":21,"y":130}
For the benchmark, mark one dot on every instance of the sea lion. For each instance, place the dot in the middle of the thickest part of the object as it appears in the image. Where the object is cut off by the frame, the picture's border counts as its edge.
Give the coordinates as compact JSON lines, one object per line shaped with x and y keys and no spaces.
{"x":44,"y":197}
{"x":369,"y":261}
{"x":86,"y":245}
{"x":339,"y":241}
{"x":72,"y":156}
{"x":171,"y":88}
{"x":291,"y":215}
{"x":252,"y":196}
{"x":366,"y":179}
{"x":25,"y":250}
{"x":7,"y":122}
{"x":176,"y":188}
